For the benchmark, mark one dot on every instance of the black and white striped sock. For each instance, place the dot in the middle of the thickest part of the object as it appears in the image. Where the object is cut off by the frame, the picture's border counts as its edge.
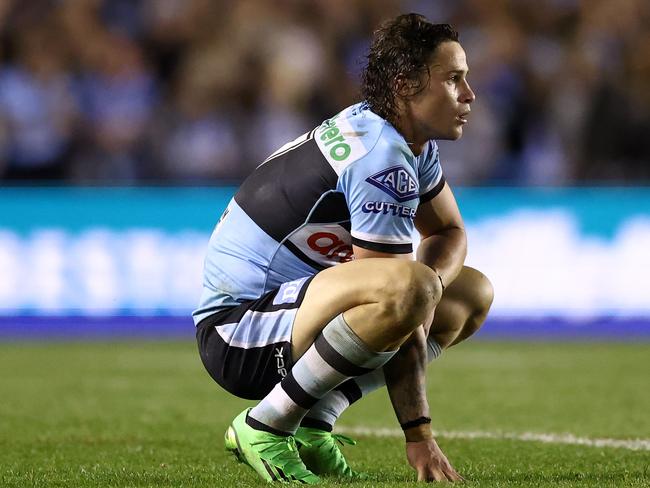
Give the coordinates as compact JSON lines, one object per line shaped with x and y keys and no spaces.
{"x":328,"y":409}
{"x":337,"y":355}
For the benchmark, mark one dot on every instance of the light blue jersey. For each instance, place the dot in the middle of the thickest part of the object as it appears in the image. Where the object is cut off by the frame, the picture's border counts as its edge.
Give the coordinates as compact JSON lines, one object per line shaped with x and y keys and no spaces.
{"x":351,"y":181}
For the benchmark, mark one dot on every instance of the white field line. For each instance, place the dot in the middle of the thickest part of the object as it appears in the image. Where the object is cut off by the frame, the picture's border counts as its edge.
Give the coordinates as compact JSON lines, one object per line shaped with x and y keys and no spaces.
{"x":631,"y":444}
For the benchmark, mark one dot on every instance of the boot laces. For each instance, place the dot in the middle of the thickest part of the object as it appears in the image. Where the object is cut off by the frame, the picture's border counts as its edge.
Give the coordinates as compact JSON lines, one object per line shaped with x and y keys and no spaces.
{"x":283,"y":453}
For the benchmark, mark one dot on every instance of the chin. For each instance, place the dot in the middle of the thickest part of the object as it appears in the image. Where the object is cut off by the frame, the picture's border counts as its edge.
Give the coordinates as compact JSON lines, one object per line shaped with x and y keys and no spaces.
{"x":454,"y":135}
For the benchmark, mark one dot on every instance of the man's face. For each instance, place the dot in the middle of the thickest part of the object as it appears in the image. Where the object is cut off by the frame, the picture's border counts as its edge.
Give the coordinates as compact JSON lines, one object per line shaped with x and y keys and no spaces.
{"x":439,"y":111}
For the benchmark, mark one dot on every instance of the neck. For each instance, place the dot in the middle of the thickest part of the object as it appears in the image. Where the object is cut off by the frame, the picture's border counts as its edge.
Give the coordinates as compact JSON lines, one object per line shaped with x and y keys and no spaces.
{"x":414,"y":140}
{"x":416,"y":149}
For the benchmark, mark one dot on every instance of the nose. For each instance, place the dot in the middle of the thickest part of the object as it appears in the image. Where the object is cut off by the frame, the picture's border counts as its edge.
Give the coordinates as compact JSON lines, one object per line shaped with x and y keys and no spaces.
{"x":467,"y":95}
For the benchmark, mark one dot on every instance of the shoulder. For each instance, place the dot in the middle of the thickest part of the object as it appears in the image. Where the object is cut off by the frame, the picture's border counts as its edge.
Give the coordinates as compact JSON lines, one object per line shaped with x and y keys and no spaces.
{"x":429,"y":160}
{"x":430,"y":173}
{"x":356,"y":136}
{"x":433,"y":153}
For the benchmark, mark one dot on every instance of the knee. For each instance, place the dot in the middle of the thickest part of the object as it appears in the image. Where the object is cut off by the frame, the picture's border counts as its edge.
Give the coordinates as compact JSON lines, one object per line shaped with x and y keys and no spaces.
{"x":483,"y":294}
{"x":478,"y":300}
{"x":411,"y":291}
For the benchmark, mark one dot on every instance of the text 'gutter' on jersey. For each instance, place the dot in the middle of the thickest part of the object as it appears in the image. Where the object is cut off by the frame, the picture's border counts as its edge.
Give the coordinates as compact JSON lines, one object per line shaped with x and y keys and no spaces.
{"x":351,"y":180}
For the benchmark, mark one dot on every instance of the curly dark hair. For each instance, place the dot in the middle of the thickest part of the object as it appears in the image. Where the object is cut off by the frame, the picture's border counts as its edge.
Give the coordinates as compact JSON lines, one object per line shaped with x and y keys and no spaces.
{"x":400,"y":47}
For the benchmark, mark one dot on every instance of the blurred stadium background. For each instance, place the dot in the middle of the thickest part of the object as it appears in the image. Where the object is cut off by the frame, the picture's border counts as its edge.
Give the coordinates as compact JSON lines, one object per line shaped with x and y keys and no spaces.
{"x":125,"y":127}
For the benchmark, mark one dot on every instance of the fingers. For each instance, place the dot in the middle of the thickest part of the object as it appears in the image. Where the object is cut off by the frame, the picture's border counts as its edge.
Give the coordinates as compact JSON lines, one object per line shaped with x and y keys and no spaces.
{"x":450,"y":472}
{"x":453,"y":476}
{"x":446,"y":473}
{"x":429,"y":475}
{"x":430,"y":463}
{"x":434,"y":474}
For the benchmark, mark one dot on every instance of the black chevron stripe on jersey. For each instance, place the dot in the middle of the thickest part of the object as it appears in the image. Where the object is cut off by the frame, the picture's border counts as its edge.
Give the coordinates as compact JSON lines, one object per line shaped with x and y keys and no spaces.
{"x":303,"y":257}
{"x":280,"y":195}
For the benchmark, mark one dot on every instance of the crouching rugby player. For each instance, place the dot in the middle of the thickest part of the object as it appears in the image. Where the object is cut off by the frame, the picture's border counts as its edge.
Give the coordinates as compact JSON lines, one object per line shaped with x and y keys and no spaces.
{"x":312,"y":297}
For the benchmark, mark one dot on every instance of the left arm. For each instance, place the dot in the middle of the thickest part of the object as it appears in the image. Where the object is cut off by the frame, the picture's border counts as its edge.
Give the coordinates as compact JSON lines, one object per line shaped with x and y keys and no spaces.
{"x":443,"y":248}
{"x":444,"y":243}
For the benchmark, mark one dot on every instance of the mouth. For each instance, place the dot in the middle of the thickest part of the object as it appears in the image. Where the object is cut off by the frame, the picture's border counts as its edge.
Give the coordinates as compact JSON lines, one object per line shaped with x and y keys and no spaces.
{"x":462,"y":118}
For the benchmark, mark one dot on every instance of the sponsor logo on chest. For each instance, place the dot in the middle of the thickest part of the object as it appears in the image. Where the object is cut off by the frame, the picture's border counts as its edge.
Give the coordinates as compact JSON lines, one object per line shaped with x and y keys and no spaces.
{"x":326,"y":244}
{"x":397,"y":182}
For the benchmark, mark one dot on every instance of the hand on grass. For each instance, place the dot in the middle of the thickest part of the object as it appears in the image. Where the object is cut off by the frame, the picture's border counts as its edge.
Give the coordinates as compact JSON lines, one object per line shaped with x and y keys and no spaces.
{"x":430,"y":463}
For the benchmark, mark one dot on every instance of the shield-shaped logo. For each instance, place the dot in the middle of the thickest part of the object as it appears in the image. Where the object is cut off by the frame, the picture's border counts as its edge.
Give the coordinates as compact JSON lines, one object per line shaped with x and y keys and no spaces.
{"x":397,"y":182}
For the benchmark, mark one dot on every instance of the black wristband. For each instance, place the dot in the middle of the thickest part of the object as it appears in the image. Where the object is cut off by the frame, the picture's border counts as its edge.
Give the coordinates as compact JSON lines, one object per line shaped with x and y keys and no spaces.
{"x":414,"y":423}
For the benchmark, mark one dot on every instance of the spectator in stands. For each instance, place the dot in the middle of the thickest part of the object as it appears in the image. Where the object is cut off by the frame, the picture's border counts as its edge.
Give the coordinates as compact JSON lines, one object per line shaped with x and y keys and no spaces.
{"x":37,"y":107}
{"x":197,"y":90}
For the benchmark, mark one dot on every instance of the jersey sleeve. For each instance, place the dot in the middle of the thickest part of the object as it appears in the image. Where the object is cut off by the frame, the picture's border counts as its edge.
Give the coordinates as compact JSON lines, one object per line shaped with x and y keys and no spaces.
{"x":431,"y":178}
{"x":382,"y":192}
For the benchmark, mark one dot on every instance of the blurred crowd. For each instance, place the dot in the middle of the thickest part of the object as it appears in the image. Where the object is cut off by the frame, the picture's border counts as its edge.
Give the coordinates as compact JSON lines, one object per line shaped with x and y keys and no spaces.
{"x":200,"y":91}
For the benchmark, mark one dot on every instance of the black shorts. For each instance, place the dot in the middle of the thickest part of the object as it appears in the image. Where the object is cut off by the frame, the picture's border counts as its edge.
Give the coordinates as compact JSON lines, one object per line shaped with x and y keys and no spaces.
{"x":247,"y":348}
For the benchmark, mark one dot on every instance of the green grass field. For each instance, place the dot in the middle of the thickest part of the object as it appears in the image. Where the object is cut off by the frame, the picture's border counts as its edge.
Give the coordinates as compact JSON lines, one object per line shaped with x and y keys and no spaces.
{"x":146,"y":414}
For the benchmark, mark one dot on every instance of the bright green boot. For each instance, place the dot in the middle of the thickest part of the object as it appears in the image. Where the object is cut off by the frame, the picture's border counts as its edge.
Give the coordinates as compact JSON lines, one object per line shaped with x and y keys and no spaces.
{"x":321,"y":453}
{"x":273,"y":457}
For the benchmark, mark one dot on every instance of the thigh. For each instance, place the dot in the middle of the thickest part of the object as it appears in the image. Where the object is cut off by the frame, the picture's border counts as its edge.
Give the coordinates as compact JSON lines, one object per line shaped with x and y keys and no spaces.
{"x":247,"y":349}
{"x":350,"y":286}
